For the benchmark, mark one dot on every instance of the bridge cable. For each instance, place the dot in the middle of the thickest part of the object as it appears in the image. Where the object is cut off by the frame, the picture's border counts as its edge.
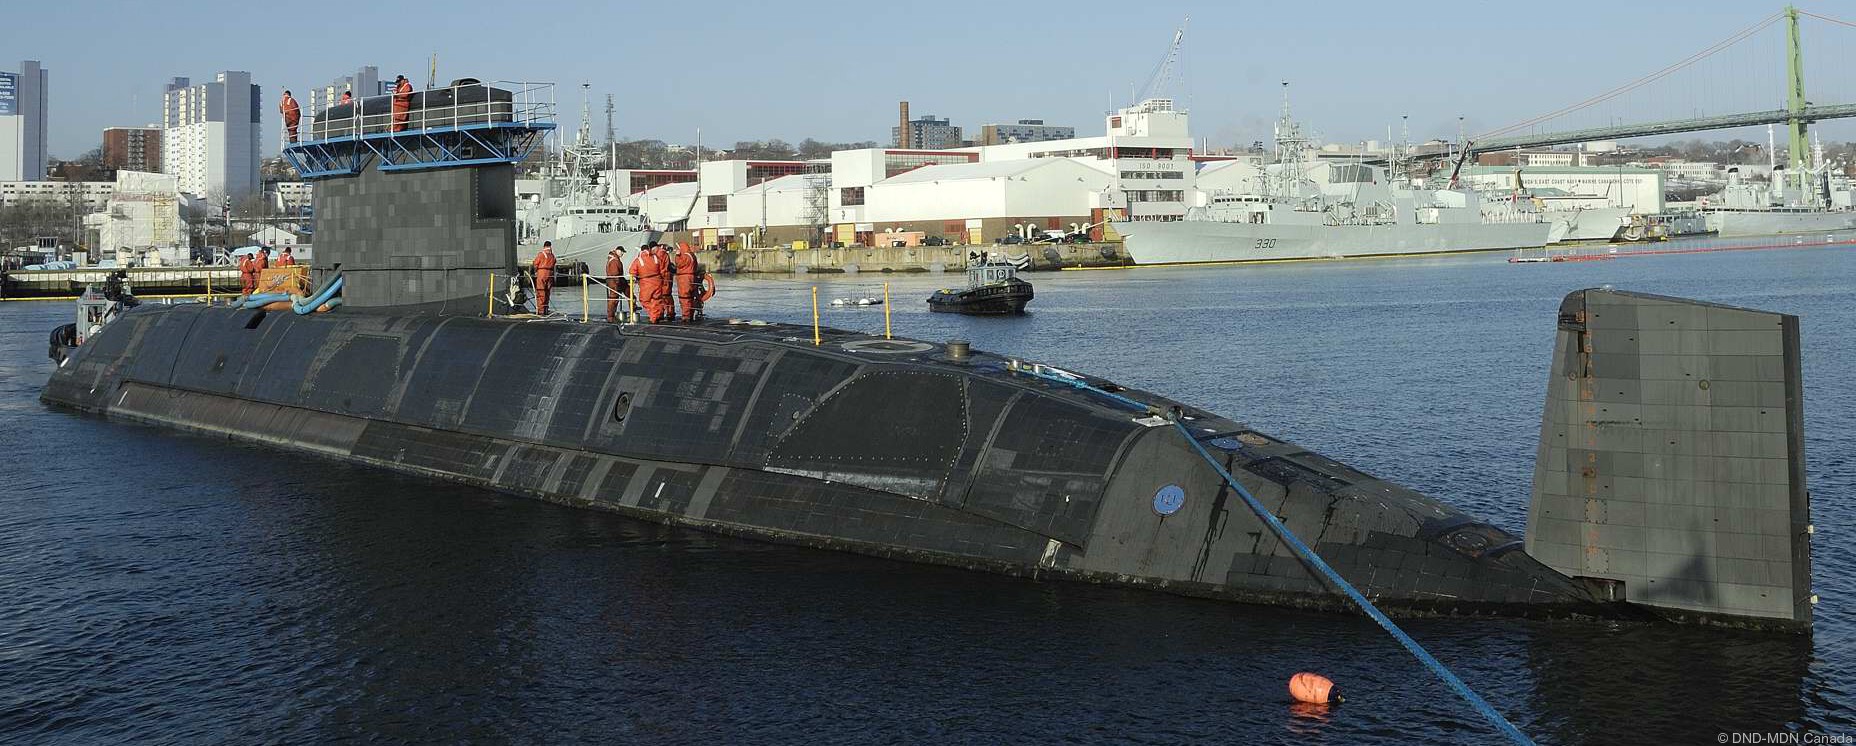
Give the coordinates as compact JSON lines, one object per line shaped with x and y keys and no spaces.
{"x":1306,"y":554}
{"x":1640,"y":82}
{"x":1837,"y":21}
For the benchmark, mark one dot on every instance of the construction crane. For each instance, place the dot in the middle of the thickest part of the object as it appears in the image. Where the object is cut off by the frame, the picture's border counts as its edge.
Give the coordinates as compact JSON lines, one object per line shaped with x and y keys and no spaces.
{"x":1166,"y":72}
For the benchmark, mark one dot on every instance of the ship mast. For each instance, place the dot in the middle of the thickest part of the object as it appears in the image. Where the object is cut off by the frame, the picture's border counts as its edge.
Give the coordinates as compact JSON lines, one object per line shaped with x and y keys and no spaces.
{"x":1291,"y":149}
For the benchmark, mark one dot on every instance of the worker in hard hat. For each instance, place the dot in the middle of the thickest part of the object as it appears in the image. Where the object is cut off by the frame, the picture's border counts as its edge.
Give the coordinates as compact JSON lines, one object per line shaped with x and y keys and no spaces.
{"x":402,"y":103}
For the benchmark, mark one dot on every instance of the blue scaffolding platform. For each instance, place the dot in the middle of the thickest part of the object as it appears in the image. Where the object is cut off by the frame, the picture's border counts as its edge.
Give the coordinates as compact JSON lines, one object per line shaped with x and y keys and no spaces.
{"x":468,"y":123}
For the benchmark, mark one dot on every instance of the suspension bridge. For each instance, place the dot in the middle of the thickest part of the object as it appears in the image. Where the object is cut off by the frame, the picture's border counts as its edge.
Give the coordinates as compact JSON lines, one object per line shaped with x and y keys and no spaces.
{"x":1797,"y":111}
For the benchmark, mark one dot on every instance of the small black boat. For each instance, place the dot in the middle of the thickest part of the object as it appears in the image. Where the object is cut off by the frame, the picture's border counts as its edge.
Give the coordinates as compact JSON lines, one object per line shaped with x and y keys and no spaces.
{"x":993,"y":289}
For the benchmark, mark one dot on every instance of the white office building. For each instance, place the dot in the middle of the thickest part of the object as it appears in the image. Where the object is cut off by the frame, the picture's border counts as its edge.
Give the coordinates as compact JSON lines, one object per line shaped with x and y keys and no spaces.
{"x":210,"y":133}
{"x":23,"y":99}
{"x":292,"y":196}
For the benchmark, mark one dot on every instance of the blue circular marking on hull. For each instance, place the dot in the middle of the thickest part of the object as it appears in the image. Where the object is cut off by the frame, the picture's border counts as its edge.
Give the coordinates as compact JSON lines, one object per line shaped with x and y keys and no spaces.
{"x":1169,"y":499}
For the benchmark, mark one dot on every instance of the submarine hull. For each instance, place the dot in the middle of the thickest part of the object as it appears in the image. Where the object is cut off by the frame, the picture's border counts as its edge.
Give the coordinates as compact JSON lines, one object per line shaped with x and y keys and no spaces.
{"x":884,"y":447}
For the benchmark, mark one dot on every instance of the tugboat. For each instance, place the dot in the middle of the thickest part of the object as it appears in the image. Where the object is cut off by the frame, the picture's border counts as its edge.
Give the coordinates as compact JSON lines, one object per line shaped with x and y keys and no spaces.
{"x":993,"y":289}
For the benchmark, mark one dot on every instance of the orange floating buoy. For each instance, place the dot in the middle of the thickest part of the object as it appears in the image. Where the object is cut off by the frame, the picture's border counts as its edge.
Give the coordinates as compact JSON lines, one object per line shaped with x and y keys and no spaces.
{"x":1313,"y":688}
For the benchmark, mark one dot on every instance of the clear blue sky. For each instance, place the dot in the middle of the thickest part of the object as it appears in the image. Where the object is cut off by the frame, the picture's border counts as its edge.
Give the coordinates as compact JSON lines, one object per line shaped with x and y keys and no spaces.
{"x":834,"y":70}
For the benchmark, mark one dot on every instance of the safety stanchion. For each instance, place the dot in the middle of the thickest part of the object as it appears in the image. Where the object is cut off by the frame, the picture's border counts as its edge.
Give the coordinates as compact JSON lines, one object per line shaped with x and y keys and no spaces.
{"x":886,"y":310}
{"x":816,"y":339}
{"x":583,"y":288}
{"x":489,"y":297}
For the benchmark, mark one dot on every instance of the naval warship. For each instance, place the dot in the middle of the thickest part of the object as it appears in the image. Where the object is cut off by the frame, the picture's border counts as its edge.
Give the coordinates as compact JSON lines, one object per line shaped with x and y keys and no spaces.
{"x":923,"y":450}
{"x":1298,"y":208}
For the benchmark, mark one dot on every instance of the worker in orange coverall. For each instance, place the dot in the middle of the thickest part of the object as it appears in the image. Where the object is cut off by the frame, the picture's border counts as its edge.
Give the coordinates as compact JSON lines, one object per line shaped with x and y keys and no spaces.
{"x":292,"y":114}
{"x":402,"y":103}
{"x":666,"y":287}
{"x":695,"y":284}
{"x":615,"y":281}
{"x":248,"y":273}
{"x":544,"y":277}
{"x":648,"y":282}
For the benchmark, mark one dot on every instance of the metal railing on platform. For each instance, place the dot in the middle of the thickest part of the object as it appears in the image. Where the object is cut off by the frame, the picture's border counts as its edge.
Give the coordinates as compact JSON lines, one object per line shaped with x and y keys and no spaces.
{"x":463,"y":105}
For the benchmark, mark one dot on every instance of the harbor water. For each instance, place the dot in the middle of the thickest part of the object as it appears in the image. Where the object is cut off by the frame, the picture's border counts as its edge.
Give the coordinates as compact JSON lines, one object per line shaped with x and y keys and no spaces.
{"x":170,"y":588}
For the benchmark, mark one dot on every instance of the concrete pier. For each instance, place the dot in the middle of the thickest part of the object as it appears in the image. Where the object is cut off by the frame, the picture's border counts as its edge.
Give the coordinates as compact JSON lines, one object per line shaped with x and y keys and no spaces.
{"x":64,"y":284}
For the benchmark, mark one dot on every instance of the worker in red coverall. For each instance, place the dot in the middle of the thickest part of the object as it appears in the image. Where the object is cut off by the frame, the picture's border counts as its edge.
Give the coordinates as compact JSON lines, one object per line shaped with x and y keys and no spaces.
{"x":647,"y":282}
{"x":248,"y":273}
{"x":666,"y":285}
{"x":615,"y":281}
{"x":264,"y":259}
{"x":286,"y":260}
{"x":683,"y":265}
{"x":402,"y":103}
{"x":544,"y":277}
{"x":292,"y":114}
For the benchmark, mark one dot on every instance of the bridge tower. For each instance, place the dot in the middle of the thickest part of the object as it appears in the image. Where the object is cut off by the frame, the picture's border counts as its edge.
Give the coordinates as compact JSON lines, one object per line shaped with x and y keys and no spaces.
{"x":1795,"y":102}
{"x":415,"y":198}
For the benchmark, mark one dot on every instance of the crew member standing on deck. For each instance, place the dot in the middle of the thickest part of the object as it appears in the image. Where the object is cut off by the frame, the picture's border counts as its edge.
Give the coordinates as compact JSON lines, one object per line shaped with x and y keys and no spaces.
{"x":286,"y":260}
{"x":683,"y":264}
{"x":347,"y":98}
{"x":292,"y":114}
{"x":646,"y":278}
{"x":615,"y":281}
{"x":544,"y":277}
{"x":402,"y":103}
{"x":705,"y":289}
{"x":248,"y":273}
{"x":264,"y":259}
{"x":666,"y":278}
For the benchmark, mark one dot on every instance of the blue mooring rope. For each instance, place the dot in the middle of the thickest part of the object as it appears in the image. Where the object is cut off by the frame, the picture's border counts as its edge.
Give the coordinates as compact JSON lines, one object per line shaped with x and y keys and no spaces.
{"x":1312,"y":560}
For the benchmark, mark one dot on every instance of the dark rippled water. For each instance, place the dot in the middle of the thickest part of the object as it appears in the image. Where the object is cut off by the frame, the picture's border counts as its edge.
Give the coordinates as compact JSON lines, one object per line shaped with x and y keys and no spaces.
{"x":162,"y":588}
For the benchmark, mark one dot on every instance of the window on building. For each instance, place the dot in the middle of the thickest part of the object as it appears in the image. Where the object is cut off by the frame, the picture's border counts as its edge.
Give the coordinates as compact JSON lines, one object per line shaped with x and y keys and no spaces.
{"x":718,"y":203}
{"x":851,"y":196}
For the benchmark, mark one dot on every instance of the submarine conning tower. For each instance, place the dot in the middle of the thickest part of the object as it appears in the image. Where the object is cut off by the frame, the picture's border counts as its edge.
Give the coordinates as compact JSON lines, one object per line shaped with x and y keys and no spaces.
{"x":415,"y":198}
{"x":1671,"y":468}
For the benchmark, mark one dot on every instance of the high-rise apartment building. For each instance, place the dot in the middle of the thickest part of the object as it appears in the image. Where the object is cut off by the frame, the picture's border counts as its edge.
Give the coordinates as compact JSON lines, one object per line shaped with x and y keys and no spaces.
{"x":364,"y":83}
{"x":210,"y":135}
{"x":23,"y":99}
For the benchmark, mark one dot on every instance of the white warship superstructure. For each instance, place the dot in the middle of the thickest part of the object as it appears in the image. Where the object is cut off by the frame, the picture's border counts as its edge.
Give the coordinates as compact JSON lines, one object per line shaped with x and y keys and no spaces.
{"x":580,"y":213}
{"x":1307,"y":210}
{"x":1819,"y":198}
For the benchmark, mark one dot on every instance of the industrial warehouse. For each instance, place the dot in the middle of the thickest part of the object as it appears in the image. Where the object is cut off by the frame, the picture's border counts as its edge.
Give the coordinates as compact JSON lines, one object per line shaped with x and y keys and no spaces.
{"x":1143,"y":168}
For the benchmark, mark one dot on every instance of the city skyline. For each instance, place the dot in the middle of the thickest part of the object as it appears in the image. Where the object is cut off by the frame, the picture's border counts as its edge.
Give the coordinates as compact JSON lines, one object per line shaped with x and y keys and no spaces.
{"x":743,"y":74}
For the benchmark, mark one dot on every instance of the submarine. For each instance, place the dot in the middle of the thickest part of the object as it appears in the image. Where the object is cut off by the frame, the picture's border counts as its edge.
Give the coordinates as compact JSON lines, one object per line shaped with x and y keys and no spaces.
{"x":935,"y":452}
